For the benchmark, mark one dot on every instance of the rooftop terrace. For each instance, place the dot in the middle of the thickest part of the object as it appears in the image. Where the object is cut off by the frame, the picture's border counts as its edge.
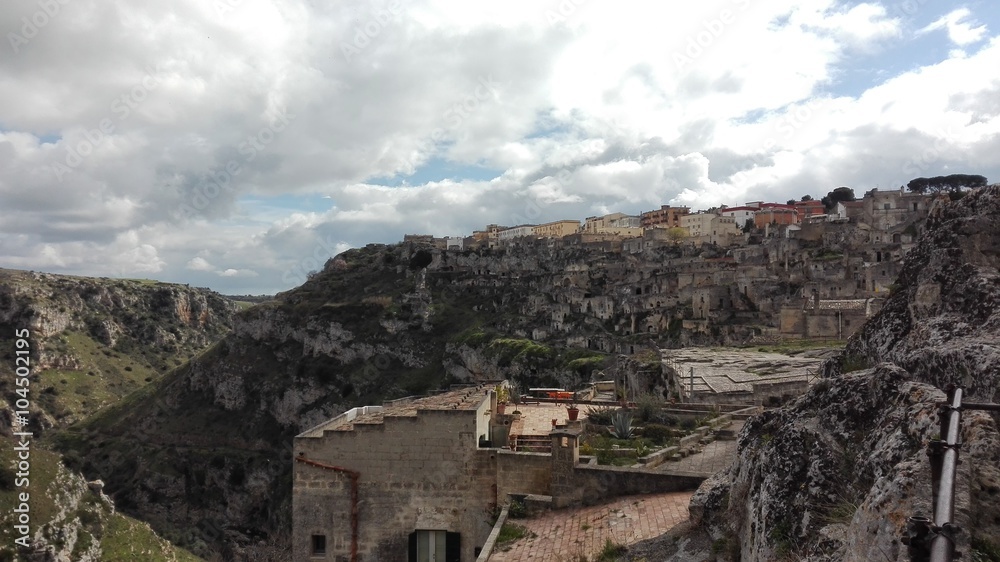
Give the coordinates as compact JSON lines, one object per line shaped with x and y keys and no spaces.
{"x":460,"y":399}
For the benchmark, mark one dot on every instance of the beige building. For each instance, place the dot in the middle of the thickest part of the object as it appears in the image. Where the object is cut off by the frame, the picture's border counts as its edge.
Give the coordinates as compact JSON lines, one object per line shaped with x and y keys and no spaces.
{"x":665,"y":217}
{"x":520,"y":231}
{"x":697,"y":224}
{"x":557,"y":229}
{"x":709,"y":228}
{"x":415,"y":476}
{"x":615,"y":224}
{"x":416,"y":479}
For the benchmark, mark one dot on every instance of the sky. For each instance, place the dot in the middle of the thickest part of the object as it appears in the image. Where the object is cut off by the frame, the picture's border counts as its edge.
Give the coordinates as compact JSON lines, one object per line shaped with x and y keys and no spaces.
{"x":238,"y":144}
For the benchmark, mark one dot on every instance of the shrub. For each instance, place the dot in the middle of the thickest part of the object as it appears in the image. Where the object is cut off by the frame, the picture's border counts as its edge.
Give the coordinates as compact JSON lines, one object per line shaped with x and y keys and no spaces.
{"x":517,"y":509}
{"x":600,"y":415}
{"x":610,"y":552}
{"x":510,"y":532}
{"x":658,"y":434}
{"x":621,"y":421}
{"x":648,"y":407}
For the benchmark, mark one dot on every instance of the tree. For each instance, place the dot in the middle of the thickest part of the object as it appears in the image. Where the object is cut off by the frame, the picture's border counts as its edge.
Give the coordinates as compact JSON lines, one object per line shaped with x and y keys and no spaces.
{"x":790,"y":202}
{"x":676,"y":234}
{"x":836,"y":196}
{"x":950,"y":184}
{"x":807,"y":198}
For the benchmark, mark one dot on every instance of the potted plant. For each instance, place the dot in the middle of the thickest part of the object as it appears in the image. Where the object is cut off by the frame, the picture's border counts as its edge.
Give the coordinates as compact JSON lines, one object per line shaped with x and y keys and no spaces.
{"x":515,"y":398}
{"x":503,"y":395}
{"x":572,"y":411}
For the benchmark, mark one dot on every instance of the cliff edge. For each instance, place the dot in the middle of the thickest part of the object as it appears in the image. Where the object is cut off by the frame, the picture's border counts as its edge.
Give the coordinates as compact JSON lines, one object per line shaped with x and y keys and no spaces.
{"x":835,"y":475}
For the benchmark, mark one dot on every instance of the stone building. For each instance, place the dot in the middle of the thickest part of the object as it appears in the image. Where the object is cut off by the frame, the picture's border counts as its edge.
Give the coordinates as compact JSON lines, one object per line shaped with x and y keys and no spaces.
{"x":775,"y":215}
{"x":391,"y":482}
{"x":520,"y":231}
{"x":557,"y":229}
{"x":617,"y":224}
{"x":416,"y":479}
{"x":698,"y":224}
{"x":740,"y":214}
{"x":667,"y":216}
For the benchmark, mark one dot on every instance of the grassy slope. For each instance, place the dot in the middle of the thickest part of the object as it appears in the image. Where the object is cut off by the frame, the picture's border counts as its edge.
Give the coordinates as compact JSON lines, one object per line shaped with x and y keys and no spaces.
{"x":183,"y":436}
{"x":122,"y":538}
{"x":104,"y":374}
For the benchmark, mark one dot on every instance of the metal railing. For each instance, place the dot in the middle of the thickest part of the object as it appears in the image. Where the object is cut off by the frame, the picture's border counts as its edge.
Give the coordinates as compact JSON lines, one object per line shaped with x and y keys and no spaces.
{"x":934,"y":541}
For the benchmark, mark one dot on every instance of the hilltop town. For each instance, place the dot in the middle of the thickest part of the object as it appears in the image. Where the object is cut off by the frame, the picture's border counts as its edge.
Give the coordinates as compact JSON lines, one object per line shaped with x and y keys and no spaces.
{"x":803,"y":269}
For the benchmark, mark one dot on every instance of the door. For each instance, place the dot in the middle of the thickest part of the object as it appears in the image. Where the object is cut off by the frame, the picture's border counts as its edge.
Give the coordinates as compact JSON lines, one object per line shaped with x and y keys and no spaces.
{"x":434,"y":546}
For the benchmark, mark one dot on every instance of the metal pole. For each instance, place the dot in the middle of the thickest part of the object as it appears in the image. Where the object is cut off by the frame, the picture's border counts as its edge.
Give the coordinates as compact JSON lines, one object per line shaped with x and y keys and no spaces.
{"x":943,"y":545}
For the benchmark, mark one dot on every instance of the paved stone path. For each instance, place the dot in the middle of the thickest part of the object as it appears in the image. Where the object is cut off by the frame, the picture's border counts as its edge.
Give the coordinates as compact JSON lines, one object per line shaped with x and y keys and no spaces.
{"x":716,"y":456}
{"x":565,"y":535}
{"x":536,"y":418}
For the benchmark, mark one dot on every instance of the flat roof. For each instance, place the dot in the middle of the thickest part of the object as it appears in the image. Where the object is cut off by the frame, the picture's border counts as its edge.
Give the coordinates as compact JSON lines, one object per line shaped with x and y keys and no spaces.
{"x":467,"y":399}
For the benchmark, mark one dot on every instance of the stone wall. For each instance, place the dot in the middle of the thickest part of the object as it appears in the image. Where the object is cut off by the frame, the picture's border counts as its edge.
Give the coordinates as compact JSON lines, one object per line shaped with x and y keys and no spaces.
{"x":523,"y":473}
{"x":598,"y":483}
{"x":418,"y":472}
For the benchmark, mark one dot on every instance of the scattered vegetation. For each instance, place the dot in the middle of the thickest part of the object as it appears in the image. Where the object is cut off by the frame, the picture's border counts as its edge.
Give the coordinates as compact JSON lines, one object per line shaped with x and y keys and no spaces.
{"x":511,"y":533}
{"x":610,"y":552}
{"x":854,"y":362}
{"x":621,"y":422}
{"x":985,"y":550}
{"x":517,"y":509}
{"x":600,"y":415}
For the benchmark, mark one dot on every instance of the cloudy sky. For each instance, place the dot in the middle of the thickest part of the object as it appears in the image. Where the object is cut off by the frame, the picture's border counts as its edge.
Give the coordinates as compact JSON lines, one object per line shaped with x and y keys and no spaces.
{"x":237,"y":144}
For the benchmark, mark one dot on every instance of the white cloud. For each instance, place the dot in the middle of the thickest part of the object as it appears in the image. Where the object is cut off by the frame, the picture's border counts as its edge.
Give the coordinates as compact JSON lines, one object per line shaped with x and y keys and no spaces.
{"x":962,"y":28}
{"x":199,"y":264}
{"x":602,"y":108}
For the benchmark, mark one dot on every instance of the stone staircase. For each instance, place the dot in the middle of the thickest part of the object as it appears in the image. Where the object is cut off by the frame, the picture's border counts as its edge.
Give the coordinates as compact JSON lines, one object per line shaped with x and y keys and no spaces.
{"x":531,"y":443}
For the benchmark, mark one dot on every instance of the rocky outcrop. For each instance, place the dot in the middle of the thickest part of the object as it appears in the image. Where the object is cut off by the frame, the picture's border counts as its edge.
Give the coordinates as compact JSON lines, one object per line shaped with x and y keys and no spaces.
{"x":836,"y":475}
{"x":942,"y":323}
{"x":389,"y":321}
{"x":113,"y":334}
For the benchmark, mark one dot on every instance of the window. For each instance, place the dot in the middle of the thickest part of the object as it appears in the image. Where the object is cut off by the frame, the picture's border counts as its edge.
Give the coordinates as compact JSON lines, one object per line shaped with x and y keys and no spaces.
{"x":435,"y":546}
{"x":318,"y":545}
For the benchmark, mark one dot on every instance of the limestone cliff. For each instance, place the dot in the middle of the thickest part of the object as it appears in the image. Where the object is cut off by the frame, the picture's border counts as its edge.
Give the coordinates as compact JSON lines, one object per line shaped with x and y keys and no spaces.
{"x":203,"y":454}
{"x":835,"y":475}
{"x":95,"y":340}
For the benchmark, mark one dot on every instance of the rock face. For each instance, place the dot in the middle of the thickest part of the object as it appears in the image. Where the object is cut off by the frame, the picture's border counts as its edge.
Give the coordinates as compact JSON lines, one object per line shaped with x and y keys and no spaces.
{"x":836,"y":475}
{"x":204,"y":454}
{"x":94,"y":340}
{"x":942,"y":323}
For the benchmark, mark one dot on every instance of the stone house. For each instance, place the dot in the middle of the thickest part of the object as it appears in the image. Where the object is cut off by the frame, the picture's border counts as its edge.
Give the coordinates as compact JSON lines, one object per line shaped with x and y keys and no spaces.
{"x":665,"y":215}
{"x":557,"y":229}
{"x":775,"y":215}
{"x":519,"y":231}
{"x":416,"y":479}
{"x":413,"y":479}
